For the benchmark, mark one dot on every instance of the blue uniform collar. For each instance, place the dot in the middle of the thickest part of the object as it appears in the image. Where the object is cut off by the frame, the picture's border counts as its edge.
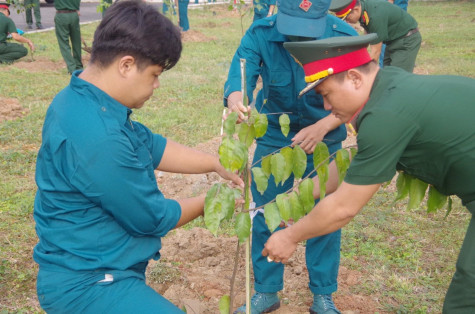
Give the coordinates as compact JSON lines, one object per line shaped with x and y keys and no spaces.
{"x":276,"y":36}
{"x":106,"y":102}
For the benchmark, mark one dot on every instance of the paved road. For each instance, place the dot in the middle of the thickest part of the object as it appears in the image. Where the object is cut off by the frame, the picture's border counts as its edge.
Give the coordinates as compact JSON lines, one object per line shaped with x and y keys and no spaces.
{"x":88,"y":14}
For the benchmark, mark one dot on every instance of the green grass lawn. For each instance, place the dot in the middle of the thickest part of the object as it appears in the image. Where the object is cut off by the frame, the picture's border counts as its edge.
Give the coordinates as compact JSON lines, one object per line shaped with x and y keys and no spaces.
{"x":409,"y":254}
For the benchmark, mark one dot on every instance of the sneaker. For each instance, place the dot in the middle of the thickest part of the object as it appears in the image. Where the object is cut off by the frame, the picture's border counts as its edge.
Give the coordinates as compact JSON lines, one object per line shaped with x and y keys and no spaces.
{"x":29,"y":26}
{"x":39,"y":26}
{"x":261,"y":303}
{"x":323,"y":304}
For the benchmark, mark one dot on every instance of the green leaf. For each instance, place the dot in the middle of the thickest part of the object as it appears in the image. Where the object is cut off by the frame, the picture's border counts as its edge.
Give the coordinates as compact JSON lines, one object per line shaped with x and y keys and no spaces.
{"x":237,"y":194}
{"x":449,"y":207}
{"x":417,"y":191}
{"x":299,"y":160}
{"x":224,"y":304}
{"x":322,"y":173}
{"x":436,"y":200}
{"x":296,"y":208}
{"x":284,"y":122}
{"x":229,"y":125}
{"x":287,"y":153}
{"x":321,"y":159}
{"x":232,"y":154}
{"x":283,"y":204}
{"x":260,"y":178}
{"x":246,"y":134}
{"x":219,"y":205}
{"x":306,"y":195}
{"x":212,"y":209}
{"x":342,"y":161}
{"x":228,"y":201}
{"x":243,"y":226}
{"x":353,"y":152}
{"x":277,"y":167}
{"x":321,"y":155}
{"x":272,"y":216}
{"x":402,"y":186}
{"x":266,"y":165}
{"x":260,"y":124}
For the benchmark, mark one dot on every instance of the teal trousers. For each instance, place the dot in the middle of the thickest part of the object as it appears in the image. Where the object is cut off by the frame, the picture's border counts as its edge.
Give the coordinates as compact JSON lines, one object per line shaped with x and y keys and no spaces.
{"x":67,"y":28}
{"x":100,"y":291}
{"x":10,"y":52}
{"x":322,"y":254}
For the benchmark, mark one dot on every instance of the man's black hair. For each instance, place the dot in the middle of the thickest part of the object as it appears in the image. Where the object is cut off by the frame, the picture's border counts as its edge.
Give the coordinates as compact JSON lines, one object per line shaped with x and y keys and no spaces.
{"x":364,"y":68}
{"x":132,"y":27}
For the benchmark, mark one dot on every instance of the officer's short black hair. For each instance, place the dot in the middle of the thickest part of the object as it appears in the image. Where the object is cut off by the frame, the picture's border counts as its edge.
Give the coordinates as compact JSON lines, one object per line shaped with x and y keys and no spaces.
{"x":132,"y":27}
{"x":365,"y":69}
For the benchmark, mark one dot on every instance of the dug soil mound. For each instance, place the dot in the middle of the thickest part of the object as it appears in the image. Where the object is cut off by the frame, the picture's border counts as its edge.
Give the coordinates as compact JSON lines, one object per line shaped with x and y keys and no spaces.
{"x":11,"y":109}
{"x":195,"y":36}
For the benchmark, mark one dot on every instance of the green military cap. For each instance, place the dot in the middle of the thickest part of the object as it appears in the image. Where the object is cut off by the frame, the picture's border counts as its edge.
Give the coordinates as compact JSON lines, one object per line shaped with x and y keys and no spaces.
{"x":341,"y":8}
{"x":322,"y":58}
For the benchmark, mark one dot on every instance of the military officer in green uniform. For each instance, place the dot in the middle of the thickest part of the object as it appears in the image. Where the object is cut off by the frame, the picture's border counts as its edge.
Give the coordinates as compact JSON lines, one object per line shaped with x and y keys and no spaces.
{"x":66,"y":24}
{"x":419,"y":124}
{"x":395,"y":27}
{"x":10,"y":52}
{"x":33,"y":5}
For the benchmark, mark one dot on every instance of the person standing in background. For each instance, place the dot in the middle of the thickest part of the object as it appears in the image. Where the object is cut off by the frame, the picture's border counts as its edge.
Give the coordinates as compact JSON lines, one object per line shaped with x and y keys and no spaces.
{"x":263,"y":8}
{"x":66,"y":25}
{"x":33,"y":5}
{"x":183,"y":14}
{"x":395,"y":27}
{"x":182,"y":7}
{"x":400,"y":3}
{"x":403,"y":5}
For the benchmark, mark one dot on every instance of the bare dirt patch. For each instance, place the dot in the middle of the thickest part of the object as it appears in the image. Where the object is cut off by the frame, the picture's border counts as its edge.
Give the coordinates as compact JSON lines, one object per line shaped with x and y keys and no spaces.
{"x":42,"y":64}
{"x":195,"y":36}
{"x":39,"y":64}
{"x":11,"y":109}
{"x":202,"y":264}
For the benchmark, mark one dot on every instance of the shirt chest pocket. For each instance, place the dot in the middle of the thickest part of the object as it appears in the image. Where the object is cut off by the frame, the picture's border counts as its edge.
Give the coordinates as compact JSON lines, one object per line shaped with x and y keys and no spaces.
{"x":281,"y":89}
{"x":144,"y":158}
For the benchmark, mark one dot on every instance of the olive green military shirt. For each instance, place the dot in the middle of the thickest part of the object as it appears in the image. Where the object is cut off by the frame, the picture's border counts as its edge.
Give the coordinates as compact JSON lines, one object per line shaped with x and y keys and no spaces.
{"x":385,"y":19}
{"x":420,"y":124}
{"x":7,"y":26}
{"x":67,"y":5}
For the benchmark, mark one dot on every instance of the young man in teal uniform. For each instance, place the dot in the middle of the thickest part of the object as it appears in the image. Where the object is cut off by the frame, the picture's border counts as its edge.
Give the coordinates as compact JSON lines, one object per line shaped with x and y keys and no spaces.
{"x":99,"y":214}
{"x":310,"y":123}
{"x":263,"y":8}
{"x":418,"y":124}
{"x":395,"y":27}
{"x":10,"y":52}
{"x":183,"y":21}
{"x":66,"y":25}
{"x":33,"y":5}
{"x":182,"y":6}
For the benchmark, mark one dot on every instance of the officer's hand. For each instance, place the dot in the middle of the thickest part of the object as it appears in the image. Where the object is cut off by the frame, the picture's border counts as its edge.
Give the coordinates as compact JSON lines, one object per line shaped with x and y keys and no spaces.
{"x":309,"y":137}
{"x":32,"y":47}
{"x":235,"y":105}
{"x":279,"y":248}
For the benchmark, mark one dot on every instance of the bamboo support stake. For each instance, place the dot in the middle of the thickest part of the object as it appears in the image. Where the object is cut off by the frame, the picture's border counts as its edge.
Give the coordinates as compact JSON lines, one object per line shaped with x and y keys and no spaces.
{"x":245,"y":102}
